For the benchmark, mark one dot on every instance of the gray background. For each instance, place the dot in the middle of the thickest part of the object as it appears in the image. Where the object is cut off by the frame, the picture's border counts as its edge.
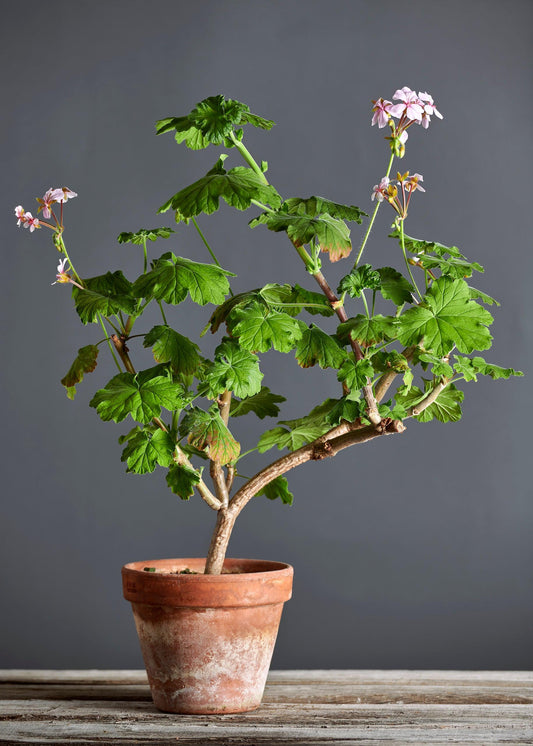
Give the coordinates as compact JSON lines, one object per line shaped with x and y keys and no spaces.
{"x":412,"y":551}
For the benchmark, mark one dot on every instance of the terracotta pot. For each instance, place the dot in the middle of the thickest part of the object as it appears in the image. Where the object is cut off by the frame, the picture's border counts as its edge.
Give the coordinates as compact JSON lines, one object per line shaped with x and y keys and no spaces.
{"x":207,"y":640}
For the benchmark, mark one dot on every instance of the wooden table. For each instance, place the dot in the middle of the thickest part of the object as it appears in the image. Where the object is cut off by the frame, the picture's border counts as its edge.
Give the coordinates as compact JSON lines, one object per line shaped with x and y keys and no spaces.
{"x":300,"y":707}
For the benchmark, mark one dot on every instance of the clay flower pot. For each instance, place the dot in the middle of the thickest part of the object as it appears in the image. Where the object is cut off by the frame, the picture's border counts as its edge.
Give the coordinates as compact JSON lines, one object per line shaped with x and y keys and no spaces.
{"x":207,"y":640}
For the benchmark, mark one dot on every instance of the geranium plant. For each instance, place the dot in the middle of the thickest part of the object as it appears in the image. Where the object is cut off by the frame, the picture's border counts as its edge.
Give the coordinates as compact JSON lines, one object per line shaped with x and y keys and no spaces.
{"x":434,"y":322}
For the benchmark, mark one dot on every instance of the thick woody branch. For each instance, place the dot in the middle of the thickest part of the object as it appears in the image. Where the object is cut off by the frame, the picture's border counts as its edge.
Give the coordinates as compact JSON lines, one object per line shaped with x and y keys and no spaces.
{"x":315,"y":451}
{"x":386,"y":380}
{"x":121,"y":348}
{"x":429,"y":399}
{"x":371,"y":404}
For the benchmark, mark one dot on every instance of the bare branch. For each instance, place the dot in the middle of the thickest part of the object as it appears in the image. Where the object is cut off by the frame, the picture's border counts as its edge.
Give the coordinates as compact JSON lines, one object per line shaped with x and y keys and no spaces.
{"x":430,"y":398}
{"x":385,"y":382}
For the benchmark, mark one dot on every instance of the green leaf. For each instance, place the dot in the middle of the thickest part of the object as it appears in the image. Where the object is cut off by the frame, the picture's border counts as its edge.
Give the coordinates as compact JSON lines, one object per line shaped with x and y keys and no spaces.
{"x":478,"y":294}
{"x":182,"y":480}
{"x":298,"y":432}
{"x":386,"y":361}
{"x":315,"y":346}
{"x":315,"y":206}
{"x":259,"y":329}
{"x":106,"y":295}
{"x":145,"y":449}
{"x":141,"y":396}
{"x":207,"y":432}
{"x":368,"y":331}
{"x":144,"y":234}
{"x":470,"y":368}
{"x":447,"y":318}
{"x":238,"y":187}
{"x":331,"y":234}
{"x":446,"y":408}
{"x":173,"y":277}
{"x":344,"y":409}
{"x":358,"y":280}
{"x":394,"y":286}
{"x":85,"y":362}
{"x":312,"y":302}
{"x":278,"y":487}
{"x":419,"y":246}
{"x":439,"y":367}
{"x":234,"y":369}
{"x":263,"y":404}
{"x":456,"y":265}
{"x":170,"y":347}
{"x":211,"y":122}
{"x":355,"y":373}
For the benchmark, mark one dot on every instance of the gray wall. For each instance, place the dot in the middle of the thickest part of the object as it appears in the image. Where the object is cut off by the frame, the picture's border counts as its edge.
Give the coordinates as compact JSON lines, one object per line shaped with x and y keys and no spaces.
{"x":414,"y":551}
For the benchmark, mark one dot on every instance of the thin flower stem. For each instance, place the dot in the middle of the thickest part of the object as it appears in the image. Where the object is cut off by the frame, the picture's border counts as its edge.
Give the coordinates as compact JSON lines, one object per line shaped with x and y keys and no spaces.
{"x":406,"y":261}
{"x":365,"y":304}
{"x":248,"y":157}
{"x":109,"y":343}
{"x":162,"y":312}
{"x":145,"y":254}
{"x":376,"y":208}
{"x":65,"y":252}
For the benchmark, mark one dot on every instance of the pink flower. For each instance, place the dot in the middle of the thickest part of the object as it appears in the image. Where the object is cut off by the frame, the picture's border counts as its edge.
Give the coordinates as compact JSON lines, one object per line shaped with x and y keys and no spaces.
{"x":26,"y":219}
{"x":381,"y":112}
{"x":412,"y":183}
{"x":46,"y":202}
{"x":378,"y":192}
{"x":61,"y":275}
{"x":429,"y":109}
{"x":62,"y":194}
{"x":411,"y":106}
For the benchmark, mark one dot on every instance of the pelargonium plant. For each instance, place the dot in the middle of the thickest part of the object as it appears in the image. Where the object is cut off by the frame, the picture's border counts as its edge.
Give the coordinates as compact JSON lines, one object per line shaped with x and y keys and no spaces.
{"x":183,"y":405}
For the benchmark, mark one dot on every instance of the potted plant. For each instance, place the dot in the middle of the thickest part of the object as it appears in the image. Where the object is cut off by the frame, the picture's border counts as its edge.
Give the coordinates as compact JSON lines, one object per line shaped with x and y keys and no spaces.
{"x":207,"y":626}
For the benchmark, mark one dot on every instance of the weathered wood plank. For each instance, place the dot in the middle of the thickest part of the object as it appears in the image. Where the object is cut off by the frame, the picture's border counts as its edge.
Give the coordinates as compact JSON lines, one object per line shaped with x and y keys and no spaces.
{"x":306,"y":707}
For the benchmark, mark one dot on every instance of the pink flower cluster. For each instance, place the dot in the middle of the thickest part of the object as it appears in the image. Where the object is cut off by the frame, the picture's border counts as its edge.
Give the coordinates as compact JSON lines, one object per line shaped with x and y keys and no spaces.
{"x":26,"y":219}
{"x":387,"y":190}
{"x":52,"y":196}
{"x":413,"y":107}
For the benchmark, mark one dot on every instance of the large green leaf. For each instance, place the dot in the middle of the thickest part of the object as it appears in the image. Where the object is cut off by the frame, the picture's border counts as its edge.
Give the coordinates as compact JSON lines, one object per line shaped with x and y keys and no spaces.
{"x":355,"y":374}
{"x":106,"y":295}
{"x":173,"y":277}
{"x":146,"y":448}
{"x":142,"y":396}
{"x":234,"y":369}
{"x":315,"y":346}
{"x":278,"y":487}
{"x":170,"y":347}
{"x":332,"y":235}
{"x":447,"y":318}
{"x":258,"y":329}
{"x":211,"y":122}
{"x":207,"y":432}
{"x":182,"y":480}
{"x":314,"y":206}
{"x":263,"y":404}
{"x":394,"y":286}
{"x":85,"y":362}
{"x":238,"y":187}
{"x":143,"y":235}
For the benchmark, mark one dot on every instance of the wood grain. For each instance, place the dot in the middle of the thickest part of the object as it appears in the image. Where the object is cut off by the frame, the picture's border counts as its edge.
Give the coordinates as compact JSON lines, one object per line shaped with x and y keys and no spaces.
{"x":305,"y":707}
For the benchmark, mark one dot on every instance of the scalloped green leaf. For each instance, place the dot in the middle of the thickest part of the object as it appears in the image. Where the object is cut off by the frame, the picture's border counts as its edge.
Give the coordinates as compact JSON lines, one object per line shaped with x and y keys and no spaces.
{"x":315,"y":206}
{"x":315,"y":346}
{"x":173,"y":277}
{"x":182,"y":480}
{"x":144,"y":234}
{"x":141,"y":396}
{"x":358,"y":280}
{"x":258,"y":329}
{"x":207,"y":432}
{"x":447,"y":318}
{"x":104,"y":295}
{"x":263,"y":404}
{"x":368,"y":331}
{"x":168,"y":346}
{"x":234,"y":369}
{"x":146,"y":449}
{"x":278,"y":487}
{"x":237,"y":187}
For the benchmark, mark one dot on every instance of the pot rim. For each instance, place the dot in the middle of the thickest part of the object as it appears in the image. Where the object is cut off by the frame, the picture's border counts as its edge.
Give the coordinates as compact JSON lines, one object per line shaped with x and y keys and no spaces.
{"x":246,"y":582}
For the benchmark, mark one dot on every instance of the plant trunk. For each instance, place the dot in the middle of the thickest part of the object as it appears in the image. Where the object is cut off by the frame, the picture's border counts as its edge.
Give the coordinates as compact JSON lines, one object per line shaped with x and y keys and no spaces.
{"x":219,"y":542}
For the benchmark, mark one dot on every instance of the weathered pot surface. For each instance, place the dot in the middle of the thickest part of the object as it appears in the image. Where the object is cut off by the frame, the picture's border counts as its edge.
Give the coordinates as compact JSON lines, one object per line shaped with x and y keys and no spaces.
{"x":207,"y":640}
